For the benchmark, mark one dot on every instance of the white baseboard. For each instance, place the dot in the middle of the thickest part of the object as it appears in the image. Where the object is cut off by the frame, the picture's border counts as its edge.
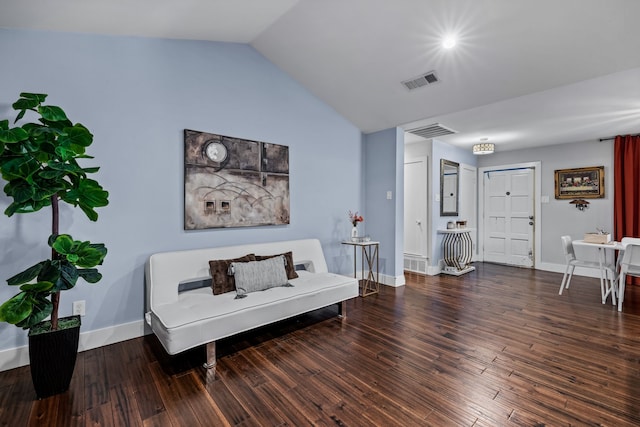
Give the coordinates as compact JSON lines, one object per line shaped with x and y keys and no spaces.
{"x":560,"y":268}
{"x":387,"y":280}
{"x":434,"y":270}
{"x":396,"y":281}
{"x":19,"y":356}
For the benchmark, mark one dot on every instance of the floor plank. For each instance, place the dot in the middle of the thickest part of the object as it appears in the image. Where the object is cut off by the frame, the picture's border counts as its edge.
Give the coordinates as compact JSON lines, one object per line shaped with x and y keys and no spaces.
{"x":495,"y":347}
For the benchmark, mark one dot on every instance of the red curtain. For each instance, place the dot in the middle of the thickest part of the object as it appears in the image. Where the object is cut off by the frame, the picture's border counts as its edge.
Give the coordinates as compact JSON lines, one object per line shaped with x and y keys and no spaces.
{"x":626,"y":197}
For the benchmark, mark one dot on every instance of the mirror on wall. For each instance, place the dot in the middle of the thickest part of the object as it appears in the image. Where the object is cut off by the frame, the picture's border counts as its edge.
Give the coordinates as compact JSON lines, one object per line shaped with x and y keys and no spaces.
{"x":449,"y":173}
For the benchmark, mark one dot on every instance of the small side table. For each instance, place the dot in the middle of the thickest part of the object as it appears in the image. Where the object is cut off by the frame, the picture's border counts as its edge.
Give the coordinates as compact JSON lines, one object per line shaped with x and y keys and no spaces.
{"x":370,"y":283}
{"x":457,"y":249}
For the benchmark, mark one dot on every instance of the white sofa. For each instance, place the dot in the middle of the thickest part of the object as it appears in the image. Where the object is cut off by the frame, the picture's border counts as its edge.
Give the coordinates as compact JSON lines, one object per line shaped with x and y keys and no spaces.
{"x":183,"y":320}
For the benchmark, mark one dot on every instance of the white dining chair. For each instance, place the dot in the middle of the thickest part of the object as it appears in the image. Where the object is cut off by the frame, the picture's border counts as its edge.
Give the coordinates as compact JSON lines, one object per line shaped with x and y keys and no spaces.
{"x":608,"y":271}
{"x":629,"y":265}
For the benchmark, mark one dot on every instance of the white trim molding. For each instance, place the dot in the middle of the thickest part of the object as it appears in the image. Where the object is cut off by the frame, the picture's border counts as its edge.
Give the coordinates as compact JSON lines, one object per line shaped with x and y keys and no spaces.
{"x":560,"y":268}
{"x":19,"y":356}
{"x":394,"y":281}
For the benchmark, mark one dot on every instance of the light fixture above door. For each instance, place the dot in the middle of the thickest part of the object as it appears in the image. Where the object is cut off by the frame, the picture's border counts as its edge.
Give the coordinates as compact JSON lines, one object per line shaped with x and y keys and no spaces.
{"x":484,"y":147}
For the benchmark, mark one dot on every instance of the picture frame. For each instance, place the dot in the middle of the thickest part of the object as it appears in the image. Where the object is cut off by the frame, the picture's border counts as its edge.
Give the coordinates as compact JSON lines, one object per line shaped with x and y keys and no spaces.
{"x":234,"y":182}
{"x":584,"y":183}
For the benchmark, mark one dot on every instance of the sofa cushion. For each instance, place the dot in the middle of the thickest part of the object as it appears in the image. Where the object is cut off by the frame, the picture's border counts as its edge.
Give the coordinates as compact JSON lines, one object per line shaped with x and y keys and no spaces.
{"x":288,"y":264}
{"x":256,"y":276}
{"x":221,"y":281}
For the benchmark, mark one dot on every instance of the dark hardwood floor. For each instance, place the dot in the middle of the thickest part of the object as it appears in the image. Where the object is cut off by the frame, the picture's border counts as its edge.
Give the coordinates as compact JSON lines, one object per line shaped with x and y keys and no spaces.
{"x":495,"y":347}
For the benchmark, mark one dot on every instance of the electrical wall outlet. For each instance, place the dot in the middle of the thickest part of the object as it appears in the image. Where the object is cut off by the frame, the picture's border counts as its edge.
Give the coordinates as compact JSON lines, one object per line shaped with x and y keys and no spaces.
{"x":79,"y":308}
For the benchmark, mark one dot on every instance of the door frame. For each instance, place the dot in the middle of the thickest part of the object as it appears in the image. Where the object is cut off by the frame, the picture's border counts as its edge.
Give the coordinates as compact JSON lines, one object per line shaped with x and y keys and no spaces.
{"x":537,"y":194}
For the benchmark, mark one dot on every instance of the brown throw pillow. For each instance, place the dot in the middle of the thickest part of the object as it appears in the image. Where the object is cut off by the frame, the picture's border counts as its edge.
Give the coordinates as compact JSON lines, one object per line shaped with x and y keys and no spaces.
{"x":221,"y":281}
{"x":288,"y":264}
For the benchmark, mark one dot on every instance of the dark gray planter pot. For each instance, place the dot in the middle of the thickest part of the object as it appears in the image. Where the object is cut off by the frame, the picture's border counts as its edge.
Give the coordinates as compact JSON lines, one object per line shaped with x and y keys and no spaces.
{"x":52,"y":357}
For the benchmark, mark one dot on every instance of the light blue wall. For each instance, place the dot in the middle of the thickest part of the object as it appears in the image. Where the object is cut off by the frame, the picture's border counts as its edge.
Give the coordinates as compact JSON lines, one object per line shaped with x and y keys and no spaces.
{"x":384,"y":171}
{"x":442,"y":150}
{"x":137,"y":95}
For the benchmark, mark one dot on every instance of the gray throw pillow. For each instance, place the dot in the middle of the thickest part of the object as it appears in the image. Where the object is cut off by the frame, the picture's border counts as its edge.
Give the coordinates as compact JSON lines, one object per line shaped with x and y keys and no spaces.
{"x":256,"y":276}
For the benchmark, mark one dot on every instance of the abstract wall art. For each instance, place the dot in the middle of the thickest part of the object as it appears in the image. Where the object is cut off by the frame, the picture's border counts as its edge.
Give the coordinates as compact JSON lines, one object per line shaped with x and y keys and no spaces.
{"x":234,"y":182}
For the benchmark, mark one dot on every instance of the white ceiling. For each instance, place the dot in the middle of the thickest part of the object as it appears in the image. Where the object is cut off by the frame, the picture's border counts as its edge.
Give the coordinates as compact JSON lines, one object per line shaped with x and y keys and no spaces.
{"x":524,"y":73}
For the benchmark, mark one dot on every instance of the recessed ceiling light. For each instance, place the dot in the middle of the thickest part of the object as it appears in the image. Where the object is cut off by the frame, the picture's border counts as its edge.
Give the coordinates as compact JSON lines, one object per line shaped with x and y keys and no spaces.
{"x":449,"y":42}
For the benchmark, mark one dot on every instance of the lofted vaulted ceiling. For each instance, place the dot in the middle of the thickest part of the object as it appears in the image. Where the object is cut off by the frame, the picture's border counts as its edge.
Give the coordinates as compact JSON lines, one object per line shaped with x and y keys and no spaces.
{"x":524,"y":73}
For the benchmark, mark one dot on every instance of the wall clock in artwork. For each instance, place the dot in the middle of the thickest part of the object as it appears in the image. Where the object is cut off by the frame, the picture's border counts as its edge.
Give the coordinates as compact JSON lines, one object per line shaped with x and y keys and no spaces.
{"x":234,"y":182}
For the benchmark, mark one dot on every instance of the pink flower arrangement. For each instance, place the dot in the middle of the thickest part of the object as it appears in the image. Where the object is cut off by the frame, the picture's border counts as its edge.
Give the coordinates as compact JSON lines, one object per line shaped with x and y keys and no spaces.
{"x":355,"y":218}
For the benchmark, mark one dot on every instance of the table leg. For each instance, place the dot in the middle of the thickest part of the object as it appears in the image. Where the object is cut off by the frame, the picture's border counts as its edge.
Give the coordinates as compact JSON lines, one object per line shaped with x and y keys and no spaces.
{"x":370,"y":284}
{"x":607,"y":285}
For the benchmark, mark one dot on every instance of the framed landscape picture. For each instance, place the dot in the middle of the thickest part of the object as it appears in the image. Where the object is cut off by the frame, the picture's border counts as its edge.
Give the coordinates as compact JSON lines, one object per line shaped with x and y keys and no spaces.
{"x":585,"y":183}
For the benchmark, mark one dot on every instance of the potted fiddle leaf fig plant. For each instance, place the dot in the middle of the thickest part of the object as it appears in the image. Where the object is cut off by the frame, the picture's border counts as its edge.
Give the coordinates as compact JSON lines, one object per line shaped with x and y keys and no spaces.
{"x":39,"y":162}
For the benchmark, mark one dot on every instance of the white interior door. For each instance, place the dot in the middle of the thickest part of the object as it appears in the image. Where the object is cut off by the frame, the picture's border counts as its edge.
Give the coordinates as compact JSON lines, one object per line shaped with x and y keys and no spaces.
{"x":415,"y":208}
{"x":509,"y":216}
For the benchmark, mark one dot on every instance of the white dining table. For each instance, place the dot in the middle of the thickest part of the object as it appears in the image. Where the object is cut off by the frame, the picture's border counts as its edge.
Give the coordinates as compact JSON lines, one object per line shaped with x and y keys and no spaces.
{"x":602,"y":260}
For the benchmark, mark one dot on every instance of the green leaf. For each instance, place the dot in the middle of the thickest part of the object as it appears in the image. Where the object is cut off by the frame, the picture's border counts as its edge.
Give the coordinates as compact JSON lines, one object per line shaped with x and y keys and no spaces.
{"x":37,"y":287}
{"x":20,"y":190}
{"x":90,"y":170}
{"x":91,"y":275}
{"x":39,"y":96}
{"x":26,"y":207}
{"x":19,"y":116}
{"x":19,"y":167}
{"x":65,"y":153}
{"x":16,"y":309}
{"x":41,"y":307}
{"x":12,"y":209}
{"x":29,"y":206}
{"x":44,"y":193}
{"x":11,"y":136}
{"x":63,"y":244}
{"x":89,"y":212}
{"x":77,"y":135}
{"x":68,"y":276}
{"x":51,"y":174}
{"x":66,"y":167}
{"x":92,"y":256}
{"x":88,"y":195}
{"x":26,"y":104}
{"x":37,"y":130}
{"x":79,"y":246}
{"x":27,"y":275}
{"x":52,"y":113}
{"x":50,"y":272}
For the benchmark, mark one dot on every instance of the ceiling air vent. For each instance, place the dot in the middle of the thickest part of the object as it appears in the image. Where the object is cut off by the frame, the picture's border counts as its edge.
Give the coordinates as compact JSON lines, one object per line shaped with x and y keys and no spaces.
{"x":423,"y":80}
{"x":432,"y":131}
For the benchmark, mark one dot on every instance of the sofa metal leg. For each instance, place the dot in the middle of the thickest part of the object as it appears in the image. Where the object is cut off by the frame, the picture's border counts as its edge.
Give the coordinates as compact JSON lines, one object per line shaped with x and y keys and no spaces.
{"x":211,"y":356}
{"x":342,"y":309}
